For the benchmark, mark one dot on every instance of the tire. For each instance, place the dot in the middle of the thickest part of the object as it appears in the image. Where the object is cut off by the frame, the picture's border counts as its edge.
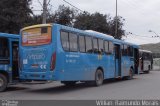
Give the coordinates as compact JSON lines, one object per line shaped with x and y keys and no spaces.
{"x":3,"y":82}
{"x":99,"y":77}
{"x":149,"y":68}
{"x":130,"y":74}
{"x":68,"y":83}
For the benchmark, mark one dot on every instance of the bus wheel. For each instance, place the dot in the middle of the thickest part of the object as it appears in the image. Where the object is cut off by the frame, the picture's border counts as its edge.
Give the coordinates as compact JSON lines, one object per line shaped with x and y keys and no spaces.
{"x":149,"y":68}
{"x":3,"y":82}
{"x":99,"y":77}
{"x":130,"y":74}
{"x":68,"y":83}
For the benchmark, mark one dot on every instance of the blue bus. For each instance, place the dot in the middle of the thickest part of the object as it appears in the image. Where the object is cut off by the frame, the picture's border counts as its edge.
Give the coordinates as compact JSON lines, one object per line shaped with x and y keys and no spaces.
{"x":60,"y":53}
{"x":9,"y":73}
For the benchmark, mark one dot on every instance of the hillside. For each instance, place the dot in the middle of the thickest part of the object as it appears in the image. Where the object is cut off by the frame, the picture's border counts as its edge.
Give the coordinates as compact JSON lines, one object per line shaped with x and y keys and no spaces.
{"x":155,"y":48}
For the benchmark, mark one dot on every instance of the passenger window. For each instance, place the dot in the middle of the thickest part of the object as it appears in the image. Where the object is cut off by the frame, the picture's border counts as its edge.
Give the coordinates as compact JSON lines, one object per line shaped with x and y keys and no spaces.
{"x":88,"y":44}
{"x":65,"y":40}
{"x":95,"y":45}
{"x":101,"y":45}
{"x":73,"y":42}
{"x":4,"y":51}
{"x":124,"y":50}
{"x":131,"y":51}
{"x":82,"y":44}
{"x":111,"y":47}
{"x":106,"y":47}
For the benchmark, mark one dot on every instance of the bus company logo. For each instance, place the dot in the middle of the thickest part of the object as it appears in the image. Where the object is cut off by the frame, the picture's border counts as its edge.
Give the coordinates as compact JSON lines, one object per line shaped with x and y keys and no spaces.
{"x":9,"y":103}
{"x":36,"y":56}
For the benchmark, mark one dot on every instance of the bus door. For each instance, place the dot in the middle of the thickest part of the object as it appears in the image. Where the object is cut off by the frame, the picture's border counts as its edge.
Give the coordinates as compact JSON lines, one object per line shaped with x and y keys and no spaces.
{"x":117,"y":60}
{"x":15,"y":73}
{"x":136,"y":60}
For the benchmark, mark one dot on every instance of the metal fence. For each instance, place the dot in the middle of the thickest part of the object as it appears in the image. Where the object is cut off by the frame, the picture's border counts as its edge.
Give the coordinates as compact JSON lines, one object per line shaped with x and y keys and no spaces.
{"x":156,"y":64}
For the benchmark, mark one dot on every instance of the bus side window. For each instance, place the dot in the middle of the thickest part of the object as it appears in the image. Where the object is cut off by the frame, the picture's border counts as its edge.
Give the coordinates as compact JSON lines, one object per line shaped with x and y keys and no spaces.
{"x":4,"y":51}
{"x":130,"y":51}
{"x":82,"y":47}
{"x":111,"y":47}
{"x":73,"y":42}
{"x":106,"y":47}
{"x":101,"y":46}
{"x":88,"y":44}
{"x":124,"y":50}
{"x":65,"y":40}
{"x":95,"y":45}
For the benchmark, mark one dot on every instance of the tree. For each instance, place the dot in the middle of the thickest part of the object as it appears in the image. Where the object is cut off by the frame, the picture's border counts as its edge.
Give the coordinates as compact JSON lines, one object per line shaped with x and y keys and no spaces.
{"x":13,"y":15}
{"x":120,"y":24}
{"x":64,"y":15}
{"x":99,"y":22}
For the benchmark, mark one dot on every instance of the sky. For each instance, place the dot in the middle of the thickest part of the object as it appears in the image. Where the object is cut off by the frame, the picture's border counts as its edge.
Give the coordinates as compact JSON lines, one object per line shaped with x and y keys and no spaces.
{"x":140,"y":15}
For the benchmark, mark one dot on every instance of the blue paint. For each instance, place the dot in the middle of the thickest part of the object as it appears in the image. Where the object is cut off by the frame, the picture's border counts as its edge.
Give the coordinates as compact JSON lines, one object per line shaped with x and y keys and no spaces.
{"x":70,"y":66}
{"x":7,"y":67}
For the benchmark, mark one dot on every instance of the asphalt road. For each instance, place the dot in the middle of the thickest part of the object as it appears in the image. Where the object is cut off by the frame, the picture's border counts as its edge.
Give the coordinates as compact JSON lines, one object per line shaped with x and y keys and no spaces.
{"x":144,"y":86}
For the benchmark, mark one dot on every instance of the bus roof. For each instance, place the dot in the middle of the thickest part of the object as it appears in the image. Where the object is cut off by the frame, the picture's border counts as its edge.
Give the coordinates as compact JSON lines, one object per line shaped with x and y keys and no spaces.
{"x":117,"y":41}
{"x":147,"y":51}
{"x":87,"y":32}
{"x":98,"y":34}
{"x":9,"y":35}
{"x":36,"y":26}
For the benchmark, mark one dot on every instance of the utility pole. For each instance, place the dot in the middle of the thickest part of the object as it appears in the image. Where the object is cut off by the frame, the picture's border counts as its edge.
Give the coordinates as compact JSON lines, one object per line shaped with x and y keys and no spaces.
{"x":116,"y":28}
{"x":44,"y":12}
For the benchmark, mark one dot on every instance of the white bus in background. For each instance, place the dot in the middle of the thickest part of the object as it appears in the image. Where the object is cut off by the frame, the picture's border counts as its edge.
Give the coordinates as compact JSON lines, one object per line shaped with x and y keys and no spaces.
{"x":145,"y":61}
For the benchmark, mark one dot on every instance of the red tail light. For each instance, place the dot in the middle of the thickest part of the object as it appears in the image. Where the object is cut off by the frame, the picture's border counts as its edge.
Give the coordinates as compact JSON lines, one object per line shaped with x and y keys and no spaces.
{"x":53,"y":61}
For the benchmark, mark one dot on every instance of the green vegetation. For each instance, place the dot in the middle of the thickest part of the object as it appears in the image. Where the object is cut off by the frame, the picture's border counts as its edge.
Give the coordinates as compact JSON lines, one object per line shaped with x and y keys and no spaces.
{"x":155,"y":48}
{"x":13,"y":15}
{"x":16,"y":14}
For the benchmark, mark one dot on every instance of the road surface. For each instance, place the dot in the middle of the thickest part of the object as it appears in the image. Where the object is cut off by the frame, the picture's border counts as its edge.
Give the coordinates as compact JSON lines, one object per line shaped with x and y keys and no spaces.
{"x":143,"y":86}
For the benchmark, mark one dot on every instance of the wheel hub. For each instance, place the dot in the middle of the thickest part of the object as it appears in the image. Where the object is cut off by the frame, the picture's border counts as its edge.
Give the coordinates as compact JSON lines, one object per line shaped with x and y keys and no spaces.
{"x":99,"y":78}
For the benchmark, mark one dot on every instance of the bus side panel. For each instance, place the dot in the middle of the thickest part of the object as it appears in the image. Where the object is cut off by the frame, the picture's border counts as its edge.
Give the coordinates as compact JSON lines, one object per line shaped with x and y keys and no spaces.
{"x":110,"y":66}
{"x":125,"y":66}
{"x":71,"y":66}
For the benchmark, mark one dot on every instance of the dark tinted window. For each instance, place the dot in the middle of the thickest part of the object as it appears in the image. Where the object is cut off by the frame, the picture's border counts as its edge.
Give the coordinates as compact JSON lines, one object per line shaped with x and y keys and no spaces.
{"x":130,"y":51}
{"x":101,"y":45}
{"x":15,"y":51}
{"x":65,"y":40}
{"x":125,"y":51}
{"x":147,"y":56}
{"x":95,"y":45}
{"x":117,"y":52}
{"x":4,"y":51}
{"x":88,"y":44}
{"x":73,"y":42}
{"x":82,"y":44}
{"x":44,"y":30}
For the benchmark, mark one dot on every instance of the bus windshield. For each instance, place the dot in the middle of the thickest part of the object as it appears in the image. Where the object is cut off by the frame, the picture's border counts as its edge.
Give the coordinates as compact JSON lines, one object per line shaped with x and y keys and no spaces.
{"x":36,"y":36}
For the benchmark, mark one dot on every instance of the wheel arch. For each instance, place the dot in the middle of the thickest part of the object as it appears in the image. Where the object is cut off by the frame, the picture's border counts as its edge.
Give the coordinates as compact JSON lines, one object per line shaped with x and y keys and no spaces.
{"x":5,"y":74}
{"x":101,"y":68}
